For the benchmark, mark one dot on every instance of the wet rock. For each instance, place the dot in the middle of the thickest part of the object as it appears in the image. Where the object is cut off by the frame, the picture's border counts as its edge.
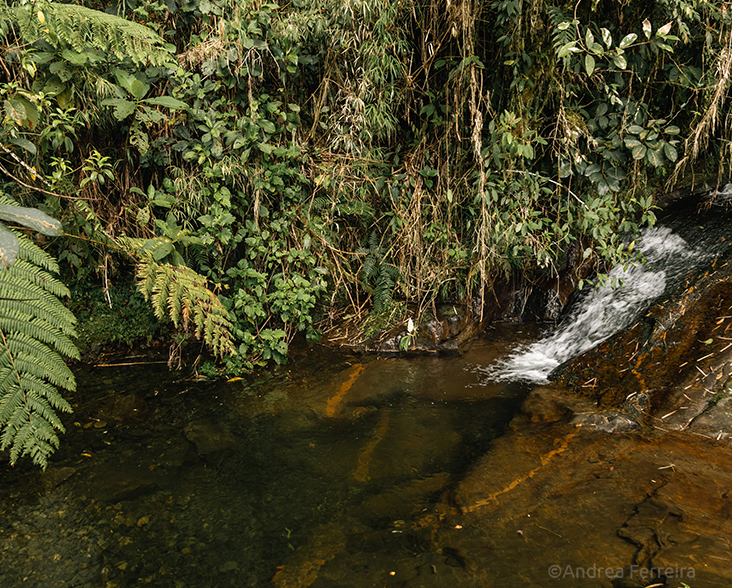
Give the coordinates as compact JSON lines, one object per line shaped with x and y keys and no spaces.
{"x":716,"y":421}
{"x":608,"y":422}
{"x":546,"y":404}
{"x":357,"y":412}
{"x":646,"y":502}
{"x":209,"y":436}
{"x":669,"y":364}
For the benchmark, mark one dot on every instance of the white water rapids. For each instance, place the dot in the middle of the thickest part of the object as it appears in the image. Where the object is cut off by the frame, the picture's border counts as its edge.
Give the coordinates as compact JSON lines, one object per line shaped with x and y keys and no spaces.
{"x":601,"y":312}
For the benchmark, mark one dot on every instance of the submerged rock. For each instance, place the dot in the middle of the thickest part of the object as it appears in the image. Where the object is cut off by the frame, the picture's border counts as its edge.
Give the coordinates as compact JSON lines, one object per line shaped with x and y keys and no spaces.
{"x":209,"y":436}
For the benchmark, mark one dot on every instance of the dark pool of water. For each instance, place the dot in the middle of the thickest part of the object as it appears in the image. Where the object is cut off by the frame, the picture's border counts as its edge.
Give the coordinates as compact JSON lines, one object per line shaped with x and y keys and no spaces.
{"x":254,"y":482}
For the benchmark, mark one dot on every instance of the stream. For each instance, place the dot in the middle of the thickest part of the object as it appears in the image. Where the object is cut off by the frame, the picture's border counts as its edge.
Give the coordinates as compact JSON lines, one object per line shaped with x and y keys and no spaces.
{"x":338,"y":470}
{"x":194,"y":484}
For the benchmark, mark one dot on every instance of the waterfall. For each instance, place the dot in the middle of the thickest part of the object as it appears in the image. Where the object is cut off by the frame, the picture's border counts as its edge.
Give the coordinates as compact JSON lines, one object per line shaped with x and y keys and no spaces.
{"x":603,"y":311}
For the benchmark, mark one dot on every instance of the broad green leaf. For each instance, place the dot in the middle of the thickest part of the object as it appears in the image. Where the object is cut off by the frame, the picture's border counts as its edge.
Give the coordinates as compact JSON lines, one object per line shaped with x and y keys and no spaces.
{"x":628,"y":40}
{"x":65,"y":99}
{"x":124,"y":79}
{"x":122,"y":108}
{"x":8,"y":247}
{"x":672,"y":130}
{"x":664,"y":46}
{"x":589,"y":64}
{"x":15,"y":111}
{"x":161,"y":250}
{"x":636,"y":129}
{"x":167,"y":102}
{"x":620,"y":61}
{"x":647,"y":28}
{"x":670,"y":152}
{"x":631,"y":142}
{"x":265,"y":147}
{"x":566,"y":49}
{"x":73,"y":57}
{"x":31,"y":218}
{"x":54,"y":86}
{"x":639,"y":151}
{"x":267,"y":126}
{"x":655,"y":157}
{"x":25,"y":144}
{"x":138,"y":89}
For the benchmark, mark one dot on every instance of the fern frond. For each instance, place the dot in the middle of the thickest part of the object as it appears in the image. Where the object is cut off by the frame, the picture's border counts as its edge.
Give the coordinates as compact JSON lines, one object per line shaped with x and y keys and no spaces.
{"x":35,"y":335}
{"x":28,"y":272}
{"x":81,"y":28}
{"x":181,"y":294}
{"x":562,"y":32}
{"x":37,"y":256}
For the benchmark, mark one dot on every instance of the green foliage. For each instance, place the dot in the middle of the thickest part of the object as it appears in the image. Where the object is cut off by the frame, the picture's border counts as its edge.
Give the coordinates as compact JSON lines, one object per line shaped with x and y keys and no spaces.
{"x":128,"y":322}
{"x":86,"y":32}
{"x":36,"y":332}
{"x":181,"y":294}
{"x":386,"y":150}
{"x":378,"y":277}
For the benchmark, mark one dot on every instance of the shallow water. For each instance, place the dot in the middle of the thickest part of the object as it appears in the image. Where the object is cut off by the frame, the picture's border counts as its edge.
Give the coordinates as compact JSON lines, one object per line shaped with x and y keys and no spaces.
{"x":252,"y":482}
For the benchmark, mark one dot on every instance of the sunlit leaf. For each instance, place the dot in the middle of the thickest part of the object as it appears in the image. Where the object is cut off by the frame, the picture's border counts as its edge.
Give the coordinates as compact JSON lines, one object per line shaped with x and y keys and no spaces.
{"x":589,"y":64}
{"x":31,"y":218}
{"x":566,"y":49}
{"x":8,"y":247}
{"x":665,"y":29}
{"x":607,"y":38}
{"x":628,"y":40}
{"x":647,"y":28}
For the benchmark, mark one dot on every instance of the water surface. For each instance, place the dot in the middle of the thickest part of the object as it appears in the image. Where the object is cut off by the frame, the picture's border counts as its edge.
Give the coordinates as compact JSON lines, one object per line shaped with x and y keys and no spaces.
{"x":256,"y":481}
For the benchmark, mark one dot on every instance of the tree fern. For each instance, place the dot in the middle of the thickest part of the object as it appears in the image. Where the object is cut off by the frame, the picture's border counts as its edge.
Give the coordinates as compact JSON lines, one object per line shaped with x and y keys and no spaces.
{"x":81,"y":28}
{"x":180,"y":293}
{"x":36,"y":331}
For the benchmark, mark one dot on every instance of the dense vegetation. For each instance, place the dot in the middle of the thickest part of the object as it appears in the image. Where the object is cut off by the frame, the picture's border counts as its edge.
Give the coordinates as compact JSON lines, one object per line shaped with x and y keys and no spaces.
{"x":259,"y":165}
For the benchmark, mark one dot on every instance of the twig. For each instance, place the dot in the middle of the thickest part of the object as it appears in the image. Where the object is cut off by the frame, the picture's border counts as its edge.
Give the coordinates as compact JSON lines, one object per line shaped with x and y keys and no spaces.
{"x":129,"y":363}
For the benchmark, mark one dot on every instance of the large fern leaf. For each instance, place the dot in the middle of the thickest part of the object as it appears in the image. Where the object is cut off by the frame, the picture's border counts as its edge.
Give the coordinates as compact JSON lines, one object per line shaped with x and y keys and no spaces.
{"x":81,"y":28}
{"x":36,"y":331}
{"x":181,"y":294}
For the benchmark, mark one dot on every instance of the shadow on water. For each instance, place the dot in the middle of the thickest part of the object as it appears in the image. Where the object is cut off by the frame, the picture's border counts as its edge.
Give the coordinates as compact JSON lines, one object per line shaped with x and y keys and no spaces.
{"x":255,"y":482}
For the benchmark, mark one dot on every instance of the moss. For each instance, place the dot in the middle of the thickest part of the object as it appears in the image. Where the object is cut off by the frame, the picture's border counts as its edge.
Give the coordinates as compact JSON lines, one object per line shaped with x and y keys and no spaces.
{"x":130,"y":320}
